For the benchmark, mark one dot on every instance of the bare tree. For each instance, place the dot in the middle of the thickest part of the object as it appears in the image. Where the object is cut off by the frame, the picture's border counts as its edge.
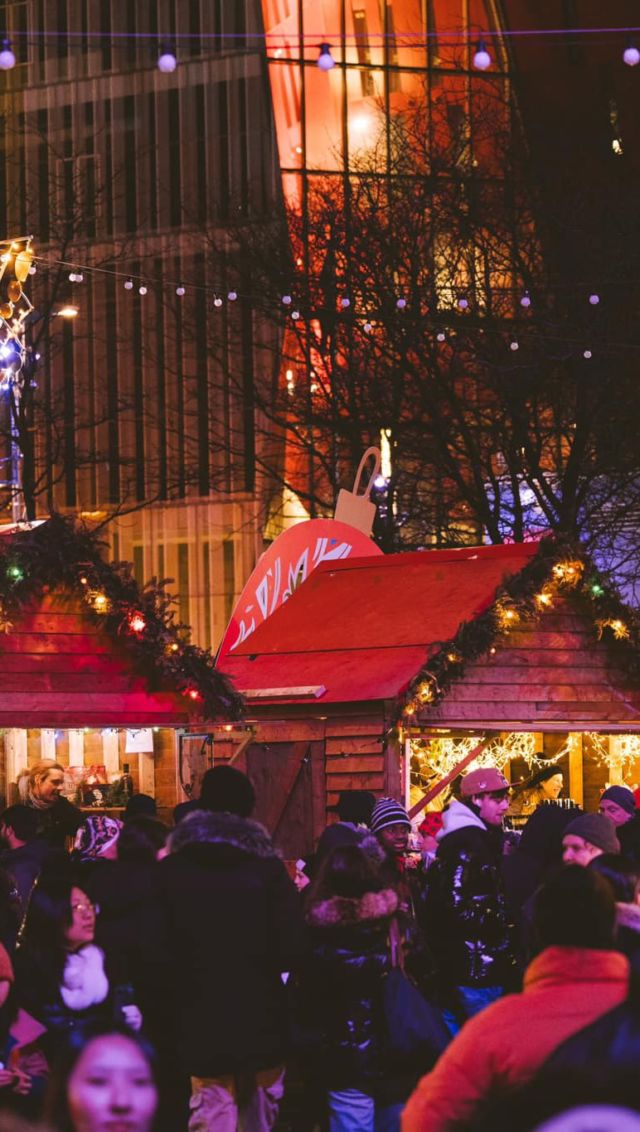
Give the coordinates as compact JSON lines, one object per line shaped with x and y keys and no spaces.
{"x":422,"y":304}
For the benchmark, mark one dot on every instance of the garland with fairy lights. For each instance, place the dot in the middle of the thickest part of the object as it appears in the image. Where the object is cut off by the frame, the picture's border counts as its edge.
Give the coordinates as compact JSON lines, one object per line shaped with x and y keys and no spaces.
{"x":560,"y":568}
{"x":60,"y":555}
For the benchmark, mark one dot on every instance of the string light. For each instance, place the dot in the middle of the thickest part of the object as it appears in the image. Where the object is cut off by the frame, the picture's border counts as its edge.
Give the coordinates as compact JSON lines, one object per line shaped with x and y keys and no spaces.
{"x":180,"y":290}
{"x":401,"y":304}
{"x":326,"y":62}
{"x":594,"y":299}
{"x":463,"y":304}
{"x":631,"y":55}
{"x":587,"y":354}
{"x":544,"y":599}
{"x":7,"y":57}
{"x":232,"y":296}
{"x":507,"y":616}
{"x":167,"y":61}
{"x":525,"y":301}
{"x":345,"y":303}
{"x":514,"y":345}
{"x":619,"y":629}
{"x":137,"y":622}
{"x":569,"y":572}
{"x":481,"y":58}
{"x":142,"y":290}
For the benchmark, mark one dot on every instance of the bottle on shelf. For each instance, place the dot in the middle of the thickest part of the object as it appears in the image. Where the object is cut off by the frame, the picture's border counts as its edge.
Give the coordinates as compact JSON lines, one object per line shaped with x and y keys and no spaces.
{"x":126,"y":782}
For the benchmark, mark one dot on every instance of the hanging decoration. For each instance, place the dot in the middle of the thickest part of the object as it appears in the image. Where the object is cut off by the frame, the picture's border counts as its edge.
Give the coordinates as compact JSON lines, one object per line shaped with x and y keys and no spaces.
{"x":560,"y":568}
{"x":58,"y":554}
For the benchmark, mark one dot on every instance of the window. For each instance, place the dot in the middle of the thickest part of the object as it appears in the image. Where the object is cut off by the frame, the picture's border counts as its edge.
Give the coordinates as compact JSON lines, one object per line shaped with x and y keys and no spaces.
{"x":183,"y":581}
{"x":138,"y":564}
{"x":229,"y":576}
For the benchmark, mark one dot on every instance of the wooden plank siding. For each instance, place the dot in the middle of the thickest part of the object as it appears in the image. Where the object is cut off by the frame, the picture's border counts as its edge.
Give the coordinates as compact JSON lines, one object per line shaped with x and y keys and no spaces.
{"x":59,"y":668}
{"x":550,"y":671}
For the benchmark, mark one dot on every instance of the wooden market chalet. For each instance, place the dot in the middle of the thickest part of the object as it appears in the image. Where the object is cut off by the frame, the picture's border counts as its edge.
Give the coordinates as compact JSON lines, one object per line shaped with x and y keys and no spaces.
{"x":379,"y":673}
{"x":93,"y":671}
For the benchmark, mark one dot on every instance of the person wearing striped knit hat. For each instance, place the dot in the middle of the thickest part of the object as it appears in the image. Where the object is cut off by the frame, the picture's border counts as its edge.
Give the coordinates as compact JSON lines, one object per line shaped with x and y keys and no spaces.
{"x":390,"y":825}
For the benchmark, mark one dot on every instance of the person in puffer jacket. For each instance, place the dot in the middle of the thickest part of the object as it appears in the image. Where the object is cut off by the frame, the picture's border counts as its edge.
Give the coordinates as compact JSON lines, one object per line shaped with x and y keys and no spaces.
{"x":464,"y":913}
{"x":338,"y":996}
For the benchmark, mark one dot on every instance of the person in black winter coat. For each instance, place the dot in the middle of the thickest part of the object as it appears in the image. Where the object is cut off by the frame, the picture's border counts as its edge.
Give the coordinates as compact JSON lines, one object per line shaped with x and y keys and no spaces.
{"x":40,"y":787}
{"x":339,"y":993}
{"x":619,"y":804}
{"x":624,"y":878}
{"x":63,"y":979}
{"x":234,"y":924}
{"x":538,"y":851}
{"x":465,"y":913}
{"x":354,"y":809}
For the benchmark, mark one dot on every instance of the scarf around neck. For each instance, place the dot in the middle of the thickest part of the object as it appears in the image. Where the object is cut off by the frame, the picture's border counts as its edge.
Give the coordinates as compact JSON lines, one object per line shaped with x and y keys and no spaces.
{"x":84,"y":981}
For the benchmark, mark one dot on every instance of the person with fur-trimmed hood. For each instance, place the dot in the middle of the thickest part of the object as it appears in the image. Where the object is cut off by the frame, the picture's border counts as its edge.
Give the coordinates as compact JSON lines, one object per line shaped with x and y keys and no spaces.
{"x":342,"y":1036}
{"x":466,"y":918}
{"x":235,"y":925}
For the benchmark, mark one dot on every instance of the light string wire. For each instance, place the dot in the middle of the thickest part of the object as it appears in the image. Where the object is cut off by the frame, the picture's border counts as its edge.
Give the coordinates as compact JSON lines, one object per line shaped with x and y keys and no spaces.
{"x":437,"y":321}
{"x":424,"y":36}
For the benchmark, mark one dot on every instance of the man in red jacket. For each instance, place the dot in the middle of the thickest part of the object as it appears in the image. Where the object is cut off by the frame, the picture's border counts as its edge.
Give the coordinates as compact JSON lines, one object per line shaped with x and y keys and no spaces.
{"x":576,"y":978}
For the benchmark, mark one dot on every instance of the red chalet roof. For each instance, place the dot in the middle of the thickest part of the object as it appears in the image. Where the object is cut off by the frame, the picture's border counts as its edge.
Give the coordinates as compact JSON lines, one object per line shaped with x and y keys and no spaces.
{"x":65,"y":664}
{"x":362,"y":628}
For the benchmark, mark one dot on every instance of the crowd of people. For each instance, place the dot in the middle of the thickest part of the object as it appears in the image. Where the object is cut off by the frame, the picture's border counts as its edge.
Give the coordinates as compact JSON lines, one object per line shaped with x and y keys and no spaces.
{"x":454,"y":976}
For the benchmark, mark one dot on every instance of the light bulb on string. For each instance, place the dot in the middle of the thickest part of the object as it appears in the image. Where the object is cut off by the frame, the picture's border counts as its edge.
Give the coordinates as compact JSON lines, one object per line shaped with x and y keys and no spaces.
{"x":142,"y":290}
{"x":128,"y":284}
{"x":167,"y":61}
{"x":217,"y":302}
{"x":514,"y":345}
{"x":463,"y":304}
{"x":401,"y":304}
{"x":7,"y":57}
{"x":587,"y":354}
{"x":441,"y":336}
{"x":180,"y":290}
{"x":594,"y":299}
{"x":295,"y":315}
{"x":345,"y":303}
{"x":367,"y":328}
{"x":72,"y":276}
{"x":79,"y":277}
{"x":481,"y":58}
{"x":326,"y":62}
{"x":525,"y":301}
{"x":631,"y":55}
{"x":232,"y":296}
{"x":287,"y":300}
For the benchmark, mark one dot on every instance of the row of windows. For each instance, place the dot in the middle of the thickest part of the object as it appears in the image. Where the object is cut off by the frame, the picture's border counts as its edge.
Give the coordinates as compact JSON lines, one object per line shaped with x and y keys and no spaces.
{"x":193,"y":156}
{"x":145,"y":397}
{"x":70,"y":39}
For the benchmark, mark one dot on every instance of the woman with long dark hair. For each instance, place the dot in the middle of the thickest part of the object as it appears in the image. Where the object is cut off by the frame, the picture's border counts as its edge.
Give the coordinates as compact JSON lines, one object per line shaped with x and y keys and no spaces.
{"x":62,"y":978}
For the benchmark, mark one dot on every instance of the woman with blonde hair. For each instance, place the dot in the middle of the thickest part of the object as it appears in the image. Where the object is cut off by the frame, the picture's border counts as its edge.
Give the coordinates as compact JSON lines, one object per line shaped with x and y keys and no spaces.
{"x":40,"y":788}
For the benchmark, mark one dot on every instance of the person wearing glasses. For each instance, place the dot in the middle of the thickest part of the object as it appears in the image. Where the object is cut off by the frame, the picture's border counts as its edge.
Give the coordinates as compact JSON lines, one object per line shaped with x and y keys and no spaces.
{"x":62,"y":978}
{"x":466,"y":917}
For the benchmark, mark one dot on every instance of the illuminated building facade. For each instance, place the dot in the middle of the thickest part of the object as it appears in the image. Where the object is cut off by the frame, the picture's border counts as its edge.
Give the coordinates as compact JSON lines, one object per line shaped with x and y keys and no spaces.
{"x":392,"y":59}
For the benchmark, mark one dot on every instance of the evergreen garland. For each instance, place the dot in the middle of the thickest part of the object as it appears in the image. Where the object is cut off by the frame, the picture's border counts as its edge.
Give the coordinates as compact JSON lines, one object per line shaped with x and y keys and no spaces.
{"x":560,"y":568}
{"x":61,"y":555}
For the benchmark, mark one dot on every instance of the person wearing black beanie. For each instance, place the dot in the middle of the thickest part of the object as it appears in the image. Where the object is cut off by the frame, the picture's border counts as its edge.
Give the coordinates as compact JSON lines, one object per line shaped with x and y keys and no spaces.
{"x":619,"y":804}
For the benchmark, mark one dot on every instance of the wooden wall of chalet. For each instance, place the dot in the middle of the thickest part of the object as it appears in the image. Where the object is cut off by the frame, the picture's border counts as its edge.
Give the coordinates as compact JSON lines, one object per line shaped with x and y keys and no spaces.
{"x":58,"y":668}
{"x":299,"y":765}
{"x":544,"y":675}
